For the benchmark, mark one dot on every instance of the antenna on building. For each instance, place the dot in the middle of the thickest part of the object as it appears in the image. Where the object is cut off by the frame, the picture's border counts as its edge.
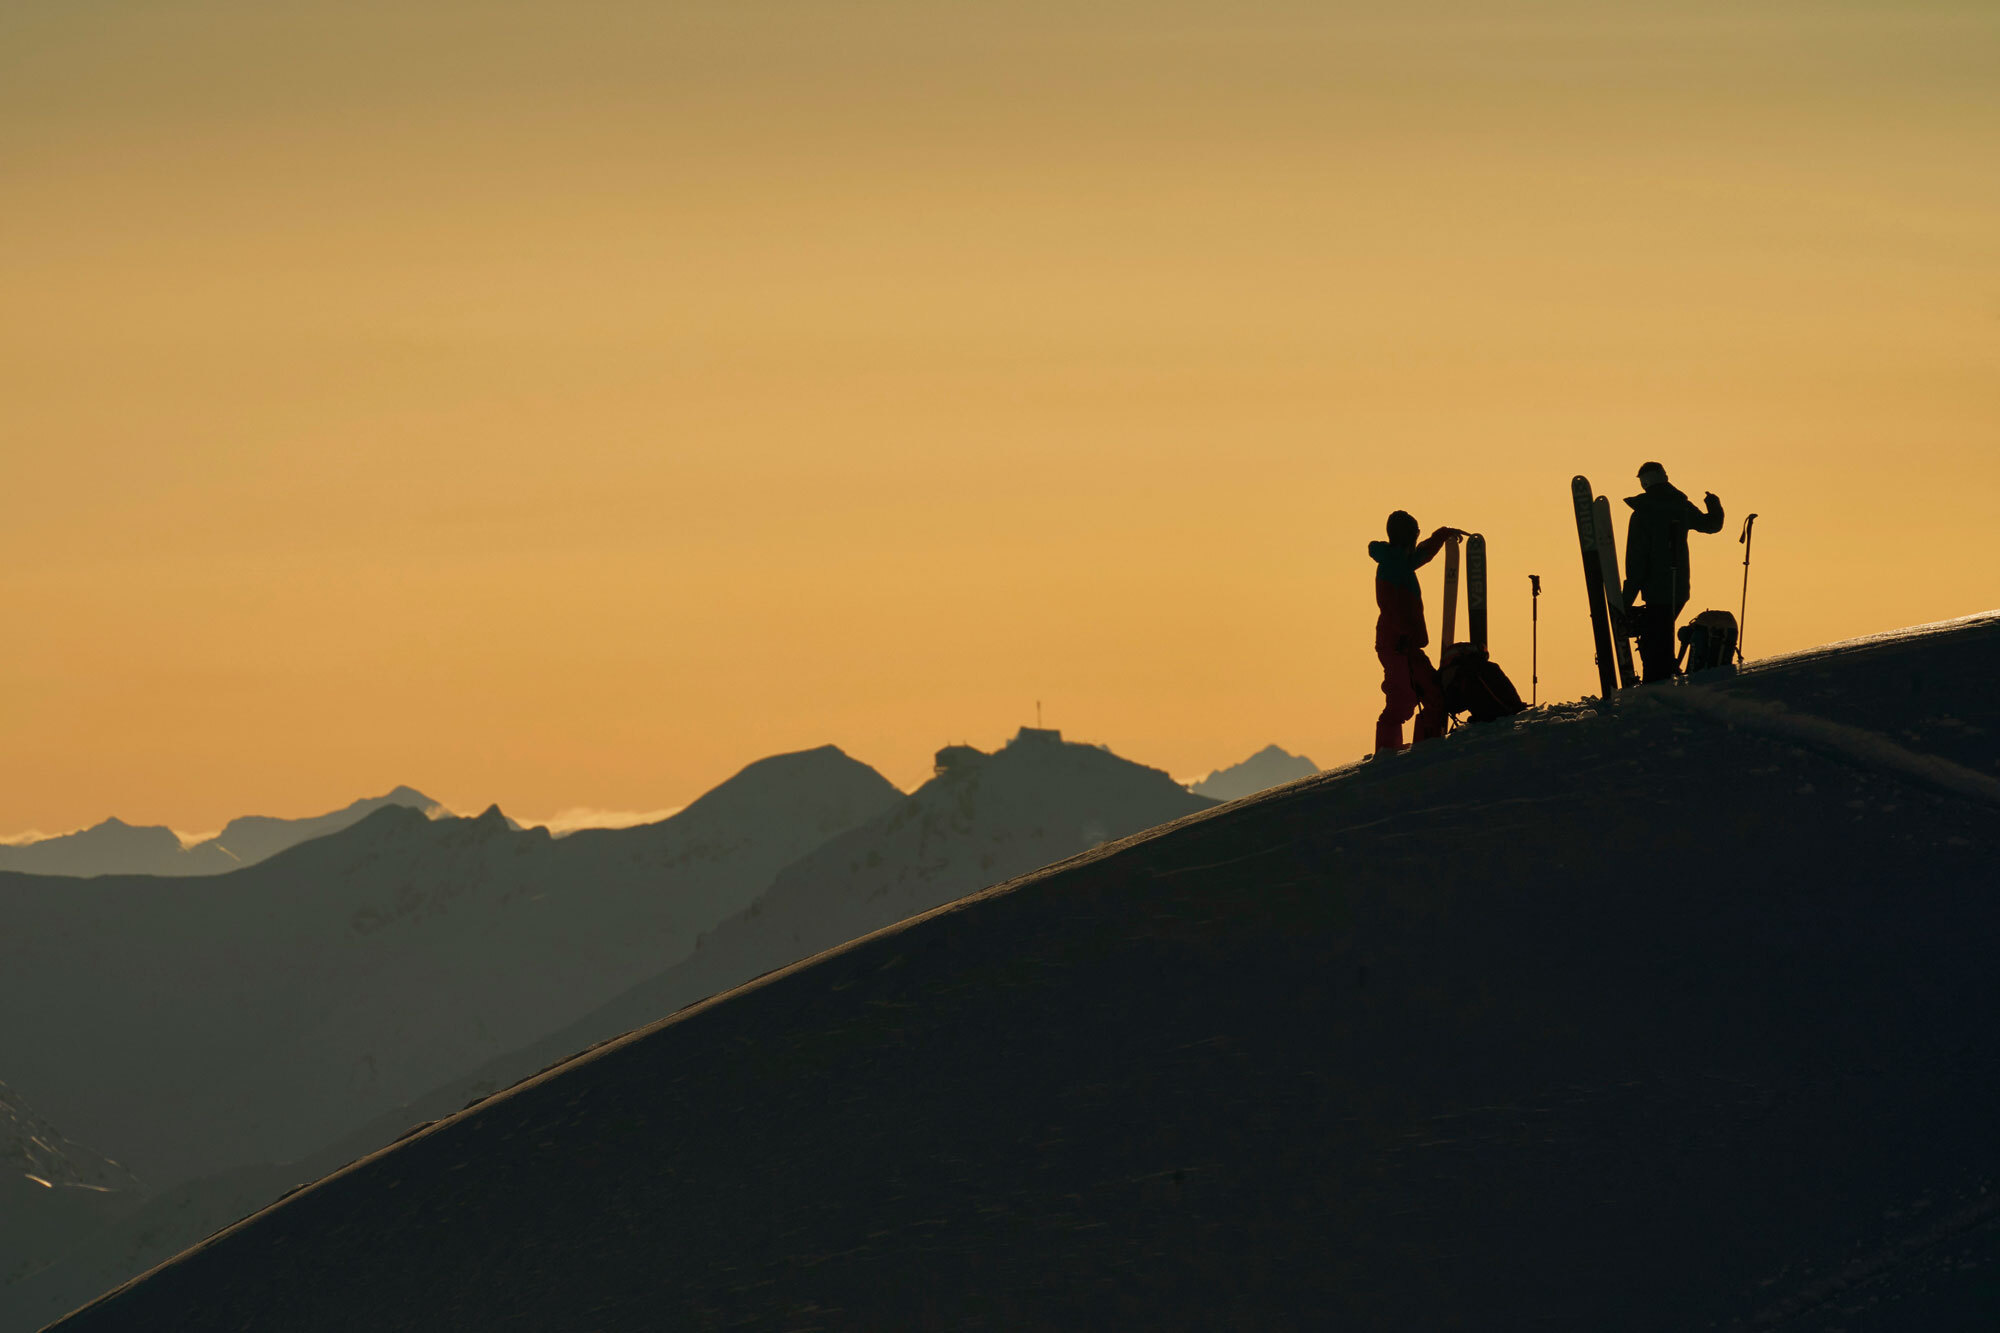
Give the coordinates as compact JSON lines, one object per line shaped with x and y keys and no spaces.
{"x":1038,"y":715}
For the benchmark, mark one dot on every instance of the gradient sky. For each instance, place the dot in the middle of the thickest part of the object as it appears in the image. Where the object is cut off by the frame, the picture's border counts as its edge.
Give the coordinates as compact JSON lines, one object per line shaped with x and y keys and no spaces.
{"x":565,"y":404}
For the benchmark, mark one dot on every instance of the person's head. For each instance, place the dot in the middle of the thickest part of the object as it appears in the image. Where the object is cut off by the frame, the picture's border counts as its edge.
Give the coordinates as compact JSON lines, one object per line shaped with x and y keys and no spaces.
{"x":1402,"y":529}
{"x":1651,"y":475}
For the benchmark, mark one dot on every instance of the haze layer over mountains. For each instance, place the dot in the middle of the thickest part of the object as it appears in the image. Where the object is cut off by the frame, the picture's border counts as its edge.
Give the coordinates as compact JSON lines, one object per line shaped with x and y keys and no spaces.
{"x":1670,"y":1011}
{"x":228,"y":1038}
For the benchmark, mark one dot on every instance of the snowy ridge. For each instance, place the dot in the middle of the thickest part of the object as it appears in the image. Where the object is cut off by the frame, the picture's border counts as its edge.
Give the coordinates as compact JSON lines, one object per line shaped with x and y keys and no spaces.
{"x":1854,"y":743}
{"x":1909,"y":636}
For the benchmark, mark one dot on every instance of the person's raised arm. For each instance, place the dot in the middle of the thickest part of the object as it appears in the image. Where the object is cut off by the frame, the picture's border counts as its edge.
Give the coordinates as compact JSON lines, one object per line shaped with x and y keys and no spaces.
{"x":1428,"y":547}
{"x":1710,"y":521}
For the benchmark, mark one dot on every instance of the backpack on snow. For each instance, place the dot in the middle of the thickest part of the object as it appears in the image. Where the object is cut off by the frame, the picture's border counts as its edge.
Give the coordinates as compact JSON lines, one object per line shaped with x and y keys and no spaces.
{"x":1473,"y":683}
{"x":1707,"y":641}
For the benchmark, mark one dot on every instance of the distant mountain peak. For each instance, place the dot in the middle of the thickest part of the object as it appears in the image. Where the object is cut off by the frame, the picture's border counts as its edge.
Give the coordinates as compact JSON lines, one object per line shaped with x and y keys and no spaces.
{"x":249,"y":839}
{"x":786,"y":778}
{"x":1271,"y":766}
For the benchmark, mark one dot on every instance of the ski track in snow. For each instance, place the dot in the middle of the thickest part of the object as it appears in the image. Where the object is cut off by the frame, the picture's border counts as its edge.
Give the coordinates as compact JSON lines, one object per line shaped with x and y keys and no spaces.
{"x":1870,"y":749}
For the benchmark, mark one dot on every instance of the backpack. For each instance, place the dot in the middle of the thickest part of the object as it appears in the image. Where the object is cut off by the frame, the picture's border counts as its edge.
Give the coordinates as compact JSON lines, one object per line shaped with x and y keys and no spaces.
{"x":1708,"y":641}
{"x":1473,"y":683}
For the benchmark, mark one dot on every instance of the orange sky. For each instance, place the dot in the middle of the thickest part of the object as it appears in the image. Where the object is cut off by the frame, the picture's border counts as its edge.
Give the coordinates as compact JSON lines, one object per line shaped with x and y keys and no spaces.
{"x":566,"y":404}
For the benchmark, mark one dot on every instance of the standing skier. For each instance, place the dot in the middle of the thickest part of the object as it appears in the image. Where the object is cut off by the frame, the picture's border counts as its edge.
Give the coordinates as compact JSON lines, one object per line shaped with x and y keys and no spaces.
{"x":1409,"y":680}
{"x":1656,"y":563}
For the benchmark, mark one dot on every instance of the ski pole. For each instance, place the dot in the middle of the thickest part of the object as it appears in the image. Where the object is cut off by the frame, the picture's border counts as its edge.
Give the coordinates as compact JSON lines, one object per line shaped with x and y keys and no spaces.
{"x":1743,"y":611}
{"x":1534,"y":639}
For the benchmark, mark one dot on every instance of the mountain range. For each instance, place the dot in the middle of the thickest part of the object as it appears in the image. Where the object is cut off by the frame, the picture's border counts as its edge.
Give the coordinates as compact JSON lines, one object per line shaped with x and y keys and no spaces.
{"x":117,"y":848}
{"x":194,"y":1025}
{"x":459,"y":937}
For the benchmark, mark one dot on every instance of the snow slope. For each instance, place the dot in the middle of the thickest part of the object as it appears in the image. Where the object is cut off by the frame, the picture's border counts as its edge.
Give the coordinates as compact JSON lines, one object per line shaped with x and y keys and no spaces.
{"x":117,"y":848}
{"x":190,"y":1026}
{"x":53,"y":1192}
{"x":1674,"y":1012}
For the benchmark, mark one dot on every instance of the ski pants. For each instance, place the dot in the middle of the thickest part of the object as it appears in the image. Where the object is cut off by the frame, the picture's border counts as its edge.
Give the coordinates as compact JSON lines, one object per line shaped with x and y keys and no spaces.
{"x":1410,"y":683}
{"x":1656,"y":640}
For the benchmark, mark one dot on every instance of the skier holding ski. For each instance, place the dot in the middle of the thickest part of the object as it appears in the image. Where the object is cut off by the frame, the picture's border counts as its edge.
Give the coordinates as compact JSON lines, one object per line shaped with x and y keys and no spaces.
{"x":1656,"y":563}
{"x":1409,"y":680}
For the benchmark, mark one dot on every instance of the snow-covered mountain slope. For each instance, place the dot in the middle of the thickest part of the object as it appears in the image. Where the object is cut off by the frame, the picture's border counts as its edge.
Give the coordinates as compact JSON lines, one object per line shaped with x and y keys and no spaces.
{"x":1269,"y":767}
{"x":1672,"y":1012}
{"x":1926,"y":689}
{"x":53,"y":1192}
{"x":117,"y":848}
{"x":983,"y":819}
{"x":194,"y":1025}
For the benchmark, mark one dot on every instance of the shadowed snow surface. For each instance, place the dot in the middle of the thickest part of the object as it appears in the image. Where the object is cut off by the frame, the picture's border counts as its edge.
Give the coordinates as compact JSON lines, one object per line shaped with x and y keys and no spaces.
{"x":1661,"y":1015}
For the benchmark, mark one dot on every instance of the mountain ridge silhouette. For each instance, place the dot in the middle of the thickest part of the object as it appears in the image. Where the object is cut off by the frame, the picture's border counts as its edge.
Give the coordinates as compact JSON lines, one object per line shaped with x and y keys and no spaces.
{"x":114,"y":847}
{"x":193,"y":1025}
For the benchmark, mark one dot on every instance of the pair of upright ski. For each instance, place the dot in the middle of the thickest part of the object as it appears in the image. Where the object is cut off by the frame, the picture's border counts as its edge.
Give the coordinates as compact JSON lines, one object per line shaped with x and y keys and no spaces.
{"x":1475,"y":592}
{"x":1609,"y":622}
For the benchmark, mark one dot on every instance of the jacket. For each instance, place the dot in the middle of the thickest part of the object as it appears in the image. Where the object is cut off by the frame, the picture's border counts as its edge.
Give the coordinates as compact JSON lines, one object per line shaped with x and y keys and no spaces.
{"x":1398,"y":596}
{"x":1656,"y":544}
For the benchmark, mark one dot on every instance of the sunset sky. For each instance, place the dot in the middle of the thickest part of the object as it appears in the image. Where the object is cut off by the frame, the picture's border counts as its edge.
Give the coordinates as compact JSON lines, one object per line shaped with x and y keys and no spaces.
{"x":565,"y":404}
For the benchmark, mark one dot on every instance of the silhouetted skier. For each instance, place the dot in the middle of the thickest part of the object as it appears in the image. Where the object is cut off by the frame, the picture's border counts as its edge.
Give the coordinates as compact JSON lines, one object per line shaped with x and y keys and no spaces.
{"x":1656,"y":563}
{"x":1408,"y":679}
